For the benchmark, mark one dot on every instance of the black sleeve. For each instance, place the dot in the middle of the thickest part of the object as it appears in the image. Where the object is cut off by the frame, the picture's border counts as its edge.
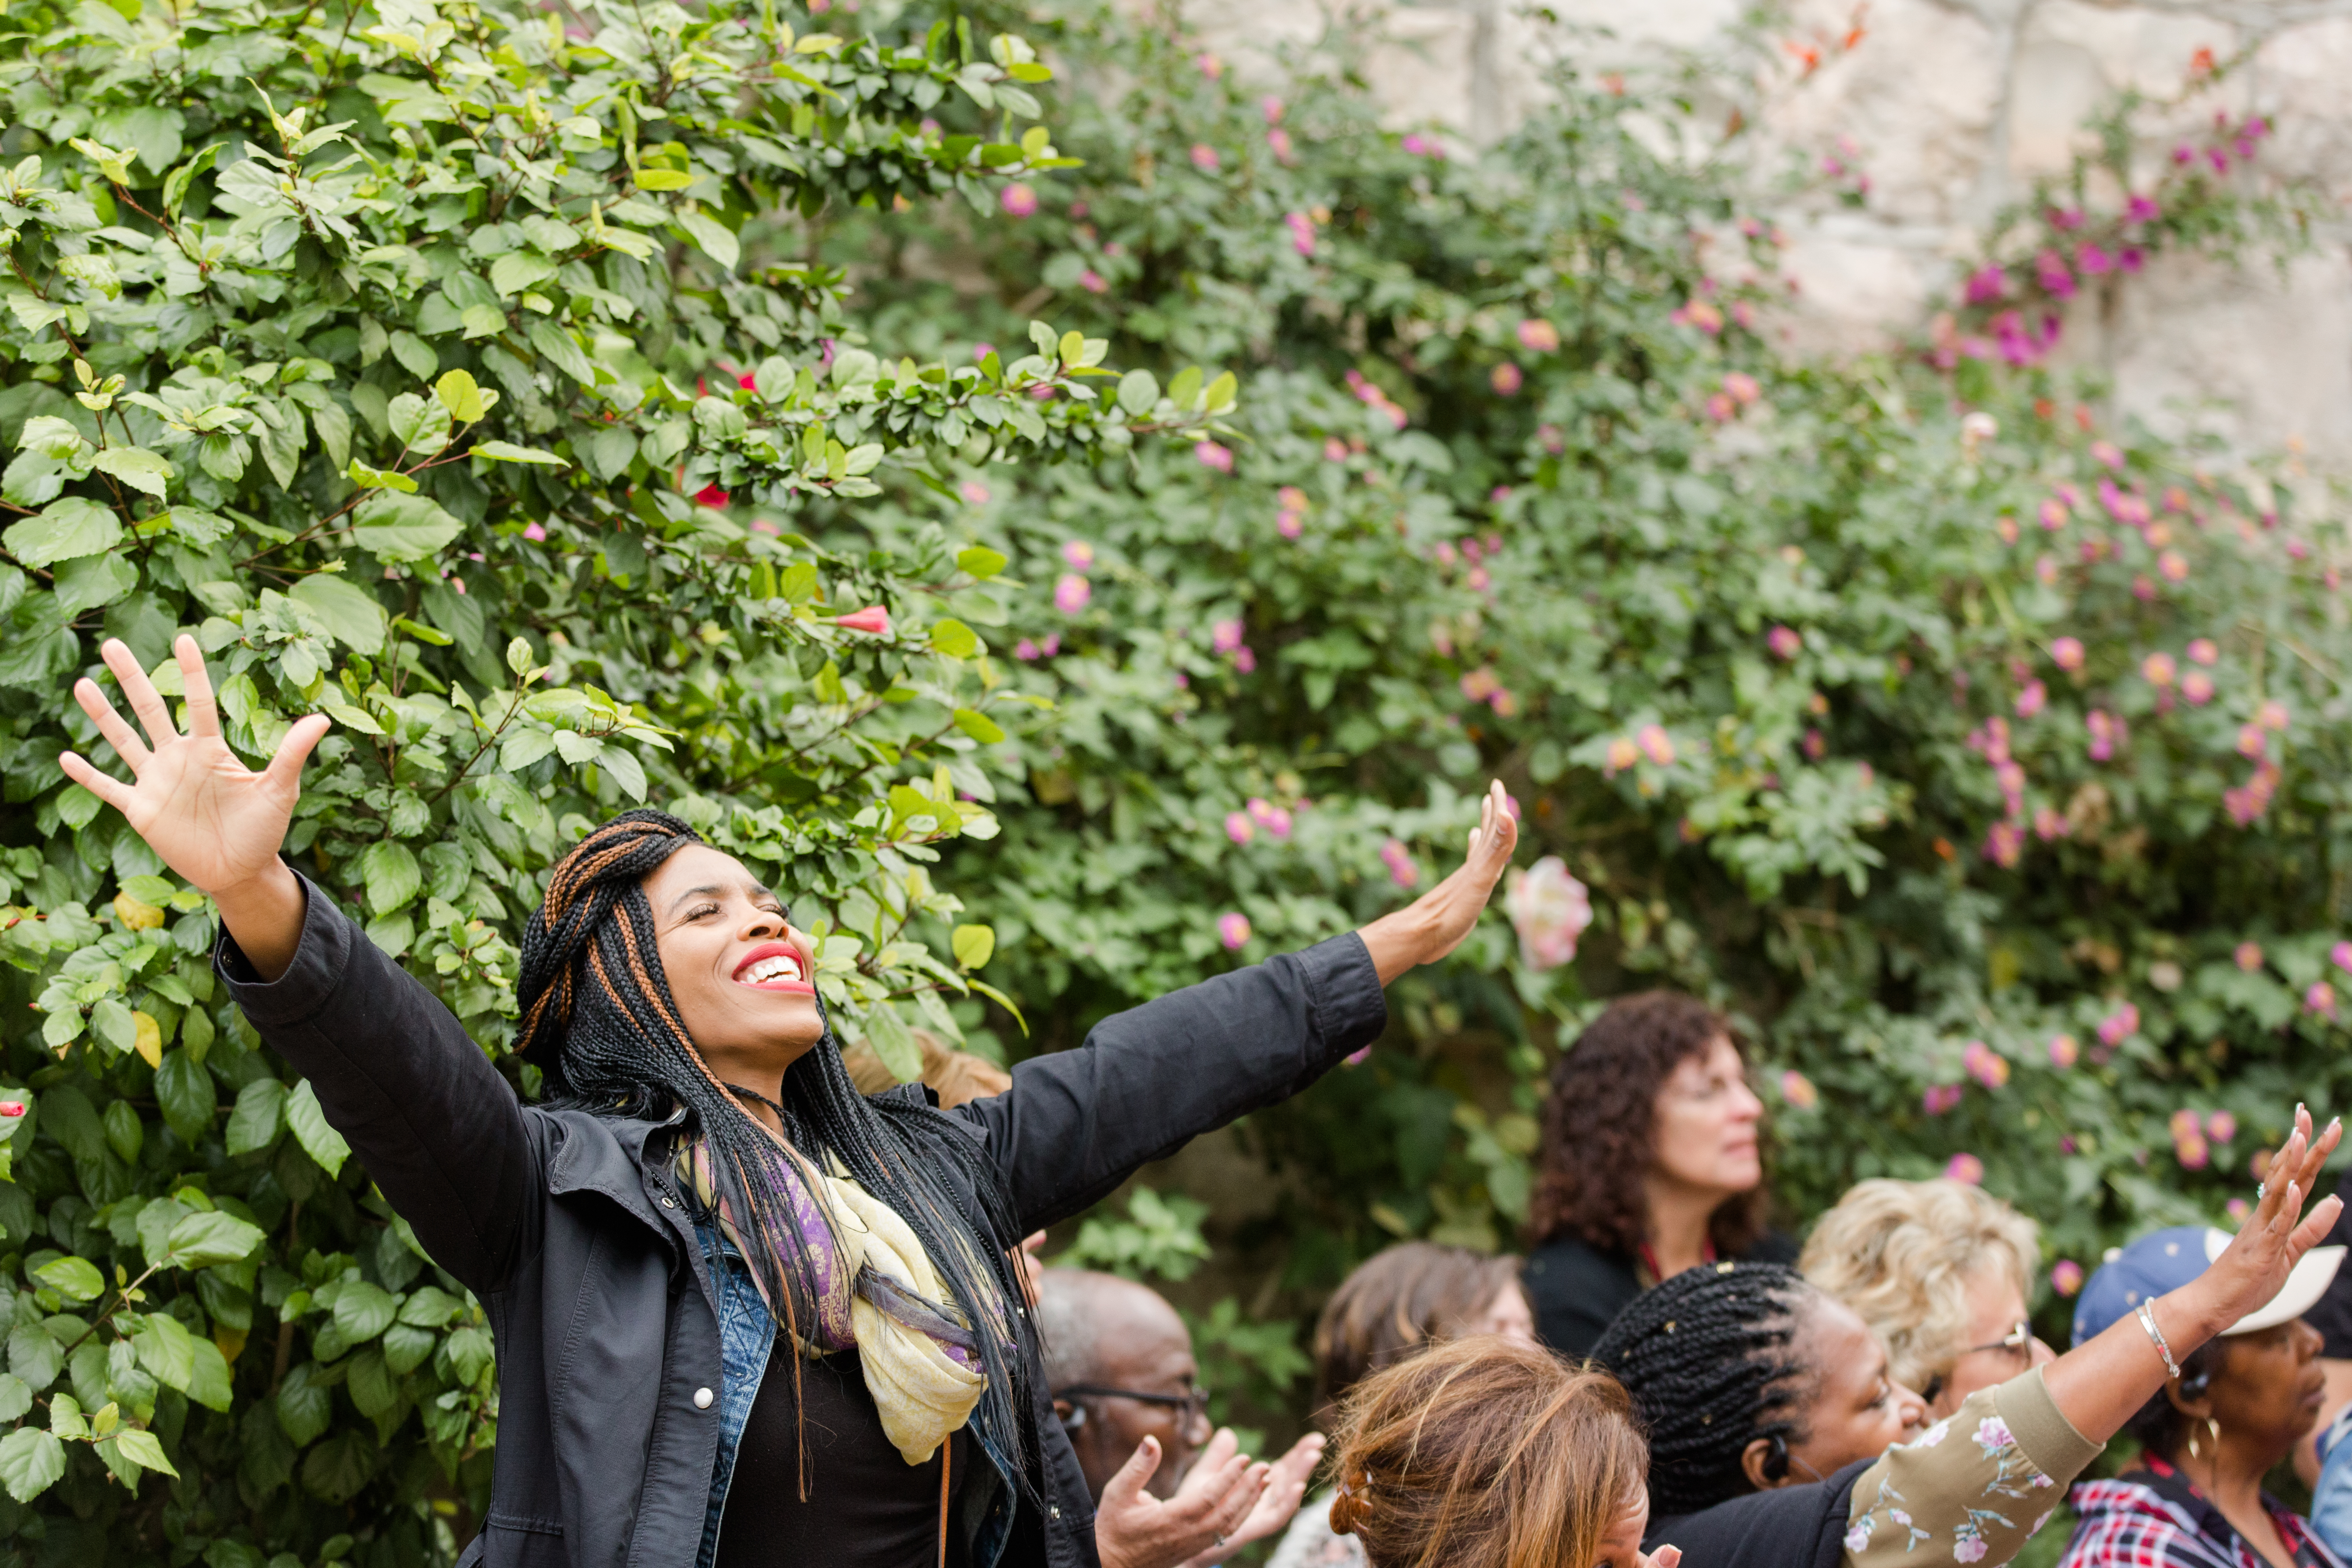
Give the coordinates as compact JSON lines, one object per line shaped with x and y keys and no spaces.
{"x":435,"y":1126}
{"x":2332,"y":1313}
{"x":1576,"y":1290}
{"x":1075,"y":1124}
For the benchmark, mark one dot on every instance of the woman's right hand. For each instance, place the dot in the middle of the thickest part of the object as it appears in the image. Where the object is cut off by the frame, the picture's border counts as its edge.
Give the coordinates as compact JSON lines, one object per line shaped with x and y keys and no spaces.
{"x":2254,"y":1268}
{"x":214,"y":820}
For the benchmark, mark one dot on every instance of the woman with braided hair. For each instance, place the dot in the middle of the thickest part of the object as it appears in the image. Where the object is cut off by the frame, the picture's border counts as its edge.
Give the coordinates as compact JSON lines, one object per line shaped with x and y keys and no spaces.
{"x":703,"y":1186}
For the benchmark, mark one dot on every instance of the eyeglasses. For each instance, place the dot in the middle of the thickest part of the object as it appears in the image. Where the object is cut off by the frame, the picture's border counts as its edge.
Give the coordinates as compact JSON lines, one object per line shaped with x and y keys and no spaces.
{"x":1195,"y":1403}
{"x":2018,"y":1341}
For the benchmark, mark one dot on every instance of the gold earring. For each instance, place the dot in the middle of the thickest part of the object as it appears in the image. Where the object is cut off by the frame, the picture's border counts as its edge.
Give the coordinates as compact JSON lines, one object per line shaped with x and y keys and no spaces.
{"x":2192,"y":1442}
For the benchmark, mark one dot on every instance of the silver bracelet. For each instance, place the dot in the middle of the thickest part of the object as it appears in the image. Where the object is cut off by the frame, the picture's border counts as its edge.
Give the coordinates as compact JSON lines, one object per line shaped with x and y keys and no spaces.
{"x":2155,"y":1336}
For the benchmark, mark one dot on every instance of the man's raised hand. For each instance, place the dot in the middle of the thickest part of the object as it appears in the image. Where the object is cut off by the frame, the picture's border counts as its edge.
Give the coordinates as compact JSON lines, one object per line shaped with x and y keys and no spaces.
{"x":1434,"y":924}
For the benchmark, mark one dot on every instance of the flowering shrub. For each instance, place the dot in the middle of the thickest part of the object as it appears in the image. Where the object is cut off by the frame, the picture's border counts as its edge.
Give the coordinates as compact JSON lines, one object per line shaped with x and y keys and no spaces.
{"x":1859,"y":700}
{"x":428,"y":363}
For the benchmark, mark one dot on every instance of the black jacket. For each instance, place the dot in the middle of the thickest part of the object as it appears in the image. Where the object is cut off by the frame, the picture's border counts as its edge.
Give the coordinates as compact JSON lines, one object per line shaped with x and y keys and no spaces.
{"x":1802,"y":1526}
{"x":595,"y":1289}
{"x":1577,"y":1290}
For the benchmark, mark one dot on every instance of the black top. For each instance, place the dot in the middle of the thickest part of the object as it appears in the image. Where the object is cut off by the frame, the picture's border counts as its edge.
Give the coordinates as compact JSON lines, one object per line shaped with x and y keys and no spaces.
{"x":1577,"y":1290}
{"x":866,"y":1507}
{"x":1802,"y":1526}
{"x":2332,"y":1313}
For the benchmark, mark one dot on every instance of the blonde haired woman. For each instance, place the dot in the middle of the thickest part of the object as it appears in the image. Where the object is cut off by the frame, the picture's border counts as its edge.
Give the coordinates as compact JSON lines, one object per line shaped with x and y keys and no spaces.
{"x":1942,"y":1271}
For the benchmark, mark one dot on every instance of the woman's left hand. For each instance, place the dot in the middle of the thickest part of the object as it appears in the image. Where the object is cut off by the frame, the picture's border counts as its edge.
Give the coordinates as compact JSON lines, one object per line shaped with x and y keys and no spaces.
{"x":1434,"y":924}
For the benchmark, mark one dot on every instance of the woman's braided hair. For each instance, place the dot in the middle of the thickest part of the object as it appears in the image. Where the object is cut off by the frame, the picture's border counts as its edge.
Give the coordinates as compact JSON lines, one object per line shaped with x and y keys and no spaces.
{"x":1708,"y":1359}
{"x":598,"y":1014}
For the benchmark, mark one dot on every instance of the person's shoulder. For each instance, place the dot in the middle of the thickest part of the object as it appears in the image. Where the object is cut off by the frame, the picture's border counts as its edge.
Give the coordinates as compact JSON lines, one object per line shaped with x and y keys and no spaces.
{"x":1773,"y":1247}
{"x":1788,"y":1525}
{"x":1568,"y":1261}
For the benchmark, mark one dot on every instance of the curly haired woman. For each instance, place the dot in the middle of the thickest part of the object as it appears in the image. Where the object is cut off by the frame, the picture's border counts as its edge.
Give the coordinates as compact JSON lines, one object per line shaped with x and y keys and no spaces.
{"x":1650,"y":1165}
{"x":704,"y":1186}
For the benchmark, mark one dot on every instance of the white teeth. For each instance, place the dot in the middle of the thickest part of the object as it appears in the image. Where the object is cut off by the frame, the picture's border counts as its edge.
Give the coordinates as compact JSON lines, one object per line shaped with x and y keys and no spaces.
{"x":780,"y":967}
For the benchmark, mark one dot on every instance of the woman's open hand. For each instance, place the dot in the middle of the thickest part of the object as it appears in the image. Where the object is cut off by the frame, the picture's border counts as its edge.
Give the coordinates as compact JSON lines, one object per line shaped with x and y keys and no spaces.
{"x":214,"y":820}
{"x":2254,"y":1268}
{"x":1434,"y":924}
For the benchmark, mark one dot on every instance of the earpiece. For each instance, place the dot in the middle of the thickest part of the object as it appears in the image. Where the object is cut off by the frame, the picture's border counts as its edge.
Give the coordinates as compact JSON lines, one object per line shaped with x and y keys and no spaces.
{"x":1776,"y":1463}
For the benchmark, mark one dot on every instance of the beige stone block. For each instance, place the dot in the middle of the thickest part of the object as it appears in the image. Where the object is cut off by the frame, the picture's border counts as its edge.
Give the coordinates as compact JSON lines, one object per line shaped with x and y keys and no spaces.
{"x":2071,"y":59}
{"x":1421,"y":68}
{"x":1856,"y":290}
{"x":2297,"y":83}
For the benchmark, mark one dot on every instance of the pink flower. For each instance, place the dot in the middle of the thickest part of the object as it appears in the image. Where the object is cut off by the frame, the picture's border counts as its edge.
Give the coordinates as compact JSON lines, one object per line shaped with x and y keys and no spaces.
{"x":1815,"y":745}
{"x":1423,"y":146}
{"x":1204,"y":157}
{"x":2159,"y":670}
{"x":2107,"y":454}
{"x":1698,"y":313}
{"x":2120,"y":1025}
{"x":1093,"y":282}
{"x":973,"y":490}
{"x":1398,"y":860}
{"x":1550,"y":910}
{"x":1720,"y":408}
{"x":2192,"y":1152}
{"x":1334,"y":449}
{"x":2197,"y":688}
{"x":1623,"y":754}
{"x":2251,"y":742}
{"x":1505,"y":379}
{"x":1289,"y":524}
{"x":2093,"y":259}
{"x":748,"y":382}
{"x":1270,"y":816}
{"x":2238,"y":1209}
{"x":1018,"y":201}
{"x":2249,"y":955}
{"x":710,"y":495}
{"x":2006,"y":526}
{"x":2031,"y":700}
{"x":981,"y":351}
{"x":533,"y":531}
{"x":1024,"y":650}
{"x":2204,"y":651}
{"x":2066,"y":1276}
{"x":1079,"y":554}
{"x":2053,"y":515}
{"x":1941,"y":1097}
{"x":1656,"y":744}
{"x":1226,"y":637}
{"x":1210,"y":66}
{"x":2049,"y":271}
{"x":1985,"y":1065}
{"x":1742,"y":387}
{"x":1537,"y":336}
{"x":1071,"y":593}
{"x":1969,"y":1170}
{"x":1238,"y":826}
{"x":1279,"y":141}
{"x":2172,"y":566}
{"x":2272,"y":715}
{"x":1302,"y":232}
{"x":1986,"y":284}
{"x":2320,"y":998}
{"x":2066,"y":653}
{"x":1211,"y":455}
{"x":2106,"y":733}
{"x":1271,"y":106}
{"x":2004,"y":844}
{"x":11,"y":1110}
{"x":1290,"y":497}
{"x":1798,"y":1090}
{"x":2140,"y":209}
{"x":1233,"y":929}
{"x":1784,"y":642}
{"x":2221,"y":1126}
{"x":874,"y":620}
{"x":2064,"y":1051}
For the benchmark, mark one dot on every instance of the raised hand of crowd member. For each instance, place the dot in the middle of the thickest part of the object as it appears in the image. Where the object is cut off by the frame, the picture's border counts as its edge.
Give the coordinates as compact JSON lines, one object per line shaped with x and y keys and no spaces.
{"x":695,"y":1084}
{"x":1286,"y":1489}
{"x":1135,"y":1529}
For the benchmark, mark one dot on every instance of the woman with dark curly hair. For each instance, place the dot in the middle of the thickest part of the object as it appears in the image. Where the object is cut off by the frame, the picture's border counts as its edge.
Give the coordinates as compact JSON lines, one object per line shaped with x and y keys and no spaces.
{"x":1650,"y":1165}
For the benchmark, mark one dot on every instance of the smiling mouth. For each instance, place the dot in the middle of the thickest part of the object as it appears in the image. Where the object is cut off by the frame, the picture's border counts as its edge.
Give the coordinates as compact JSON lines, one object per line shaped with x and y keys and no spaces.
{"x":776,"y":966}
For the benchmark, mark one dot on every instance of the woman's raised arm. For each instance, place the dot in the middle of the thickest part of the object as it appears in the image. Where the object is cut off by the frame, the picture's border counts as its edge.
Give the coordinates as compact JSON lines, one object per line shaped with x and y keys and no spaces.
{"x":435,"y":1126}
{"x":214,"y":820}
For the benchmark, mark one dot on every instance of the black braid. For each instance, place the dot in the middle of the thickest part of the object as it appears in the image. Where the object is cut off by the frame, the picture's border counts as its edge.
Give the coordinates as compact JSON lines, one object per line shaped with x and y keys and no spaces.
{"x":1708,"y":1360}
{"x":598,"y":1014}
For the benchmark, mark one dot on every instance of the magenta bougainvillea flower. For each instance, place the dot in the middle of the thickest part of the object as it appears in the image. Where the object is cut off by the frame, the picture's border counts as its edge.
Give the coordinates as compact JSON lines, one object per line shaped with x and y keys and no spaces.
{"x":2141,"y":209}
{"x":2050,"y":270}
{"x":1986,"y":284}
{"x":1233,"y":929}
{"x":710,"y":495}
{"x":2031,"y":699}
{"x":1302,"y":232}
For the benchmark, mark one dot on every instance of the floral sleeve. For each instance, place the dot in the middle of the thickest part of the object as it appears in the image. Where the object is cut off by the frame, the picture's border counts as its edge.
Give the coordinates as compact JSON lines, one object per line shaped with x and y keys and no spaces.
{"x":1972,"y":1488}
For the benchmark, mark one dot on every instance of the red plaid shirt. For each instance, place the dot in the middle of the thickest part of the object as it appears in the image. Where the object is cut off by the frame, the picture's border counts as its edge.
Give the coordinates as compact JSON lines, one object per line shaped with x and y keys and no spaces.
{"x":2155,"y":1519}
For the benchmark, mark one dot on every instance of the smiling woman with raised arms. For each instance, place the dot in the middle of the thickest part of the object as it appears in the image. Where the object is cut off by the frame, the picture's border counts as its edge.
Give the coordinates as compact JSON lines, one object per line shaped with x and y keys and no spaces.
{"x":702,"y":1173}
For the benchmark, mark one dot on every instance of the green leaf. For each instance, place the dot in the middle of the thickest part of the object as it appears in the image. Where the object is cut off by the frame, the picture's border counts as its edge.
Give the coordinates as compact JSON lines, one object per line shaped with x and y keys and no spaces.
{"x":165,"y":1347}
{"x":202,"y":1239}
{"x":954,"y":639}
{"x":31,"y":1462}
{"x":465,"y":401}
{"x":143,"y":1448}
{"x":414,"y":354}
{"x":350,"y":613}
{"x":894,"y":1042}
{"x":16,"y":1396}
{"x":981,"y":562}
{"x":973,"y":945}
{"x":136,"y":467}
{"x":65,"y":530}
{"x":304,"y":1406}
{"x":186,"y":1091}
{"x":650,"y":178}
{"x":404,"y":528}
{"x":309,"y":1122}
{"x":390,"y":875}
{"x":364,"y":1311}
{"x":74,"y":1279}
{"x":717,"y":241}
{"x":978,"y":725}
{"x":208,"y":1383}
{"x":260,"y":1111}
{"x":379,"y":478}
{"x":1139,"y":392}
{"x":508,"y":452}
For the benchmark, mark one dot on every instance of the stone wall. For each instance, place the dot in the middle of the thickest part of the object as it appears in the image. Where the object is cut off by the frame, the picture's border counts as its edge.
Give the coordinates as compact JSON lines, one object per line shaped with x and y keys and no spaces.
{"x":1954,"y":107}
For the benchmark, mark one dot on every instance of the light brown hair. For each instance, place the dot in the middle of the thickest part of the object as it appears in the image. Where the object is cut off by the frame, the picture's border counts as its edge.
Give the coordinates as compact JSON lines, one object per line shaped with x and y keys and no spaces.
{"x":1485,"y":1453}
{"x":1395,"y":1302}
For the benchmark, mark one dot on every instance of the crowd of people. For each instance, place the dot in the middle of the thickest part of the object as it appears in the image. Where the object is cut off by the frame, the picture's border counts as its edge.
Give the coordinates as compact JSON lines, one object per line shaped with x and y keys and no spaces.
{"x":749,"y":1313}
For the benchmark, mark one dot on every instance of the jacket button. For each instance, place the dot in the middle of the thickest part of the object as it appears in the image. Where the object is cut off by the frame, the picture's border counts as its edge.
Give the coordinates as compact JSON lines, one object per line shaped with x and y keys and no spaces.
{"x":702,"y":1399}
{"x":668,"y":1204}
{"x":1054,"y":1511}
